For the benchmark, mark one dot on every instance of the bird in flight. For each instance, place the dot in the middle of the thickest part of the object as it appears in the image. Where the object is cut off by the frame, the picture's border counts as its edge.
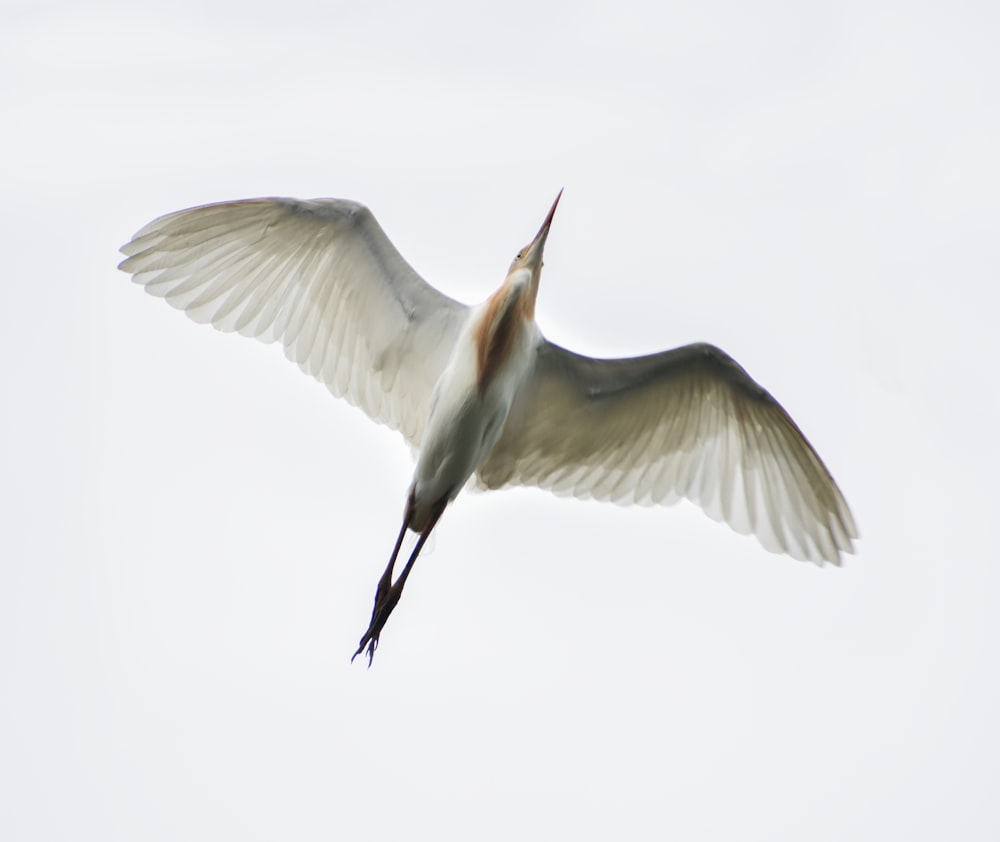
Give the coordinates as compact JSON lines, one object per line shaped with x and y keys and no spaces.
{"x":478,"y":391}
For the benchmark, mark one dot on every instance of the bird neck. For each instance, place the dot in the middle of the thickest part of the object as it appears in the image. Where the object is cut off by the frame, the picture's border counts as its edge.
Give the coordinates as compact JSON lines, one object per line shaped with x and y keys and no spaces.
{"x":504,"y":317}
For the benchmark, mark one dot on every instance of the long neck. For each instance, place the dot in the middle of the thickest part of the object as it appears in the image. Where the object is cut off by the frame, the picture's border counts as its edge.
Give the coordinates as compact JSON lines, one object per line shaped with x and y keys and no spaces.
{"x":505,"y":315}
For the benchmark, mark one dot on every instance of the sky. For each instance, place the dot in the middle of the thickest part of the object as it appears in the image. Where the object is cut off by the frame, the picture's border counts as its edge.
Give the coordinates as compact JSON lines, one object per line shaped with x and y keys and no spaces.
{"x":191,"y":530}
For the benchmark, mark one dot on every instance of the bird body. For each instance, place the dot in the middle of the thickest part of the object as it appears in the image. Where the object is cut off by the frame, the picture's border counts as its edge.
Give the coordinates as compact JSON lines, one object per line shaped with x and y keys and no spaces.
{"x":472,"y":399}
{"x":479,"y":391}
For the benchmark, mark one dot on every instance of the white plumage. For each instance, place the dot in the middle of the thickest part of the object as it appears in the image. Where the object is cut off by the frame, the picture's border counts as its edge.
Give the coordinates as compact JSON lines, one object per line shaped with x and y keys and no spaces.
{"x":322,"y":278}
{"x":480,"y":390}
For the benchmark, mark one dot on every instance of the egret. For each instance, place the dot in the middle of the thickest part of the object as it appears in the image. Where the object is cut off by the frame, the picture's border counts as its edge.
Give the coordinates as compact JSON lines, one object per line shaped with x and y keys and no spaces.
{"x":478,"y":392}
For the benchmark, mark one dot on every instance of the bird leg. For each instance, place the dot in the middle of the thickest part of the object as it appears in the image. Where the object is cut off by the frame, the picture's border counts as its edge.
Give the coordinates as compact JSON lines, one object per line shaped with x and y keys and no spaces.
{"x":387,"y":593}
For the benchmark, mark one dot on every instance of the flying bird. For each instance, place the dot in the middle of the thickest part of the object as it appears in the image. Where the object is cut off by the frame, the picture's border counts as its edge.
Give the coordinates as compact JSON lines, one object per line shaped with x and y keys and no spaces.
{"x":478,"y":391}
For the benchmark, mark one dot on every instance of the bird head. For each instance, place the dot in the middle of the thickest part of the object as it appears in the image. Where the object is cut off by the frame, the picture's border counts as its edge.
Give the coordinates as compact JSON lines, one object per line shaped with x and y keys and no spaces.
{"x":526,"y":268}
{"x":530,"y":257}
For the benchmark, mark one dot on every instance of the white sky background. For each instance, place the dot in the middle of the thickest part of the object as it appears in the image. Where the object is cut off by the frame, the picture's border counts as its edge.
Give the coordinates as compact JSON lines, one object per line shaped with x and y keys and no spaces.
{"x":192,"y":530}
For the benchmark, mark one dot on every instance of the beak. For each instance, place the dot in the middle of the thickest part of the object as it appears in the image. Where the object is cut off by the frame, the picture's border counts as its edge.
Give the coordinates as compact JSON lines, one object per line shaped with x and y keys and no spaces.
{"x":533,"y":255}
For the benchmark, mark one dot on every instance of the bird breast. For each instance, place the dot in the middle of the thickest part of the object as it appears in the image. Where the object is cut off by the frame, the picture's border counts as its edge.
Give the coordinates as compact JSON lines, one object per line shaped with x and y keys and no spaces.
{"x":492,"y":357}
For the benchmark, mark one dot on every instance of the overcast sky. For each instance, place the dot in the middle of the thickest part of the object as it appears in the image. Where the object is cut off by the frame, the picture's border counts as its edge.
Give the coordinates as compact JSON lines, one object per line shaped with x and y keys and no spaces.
{"x":192,"y":530}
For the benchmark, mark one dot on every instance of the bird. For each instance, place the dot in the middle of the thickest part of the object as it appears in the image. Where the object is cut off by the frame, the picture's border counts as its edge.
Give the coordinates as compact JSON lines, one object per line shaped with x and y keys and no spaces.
{"x":478,"y":392}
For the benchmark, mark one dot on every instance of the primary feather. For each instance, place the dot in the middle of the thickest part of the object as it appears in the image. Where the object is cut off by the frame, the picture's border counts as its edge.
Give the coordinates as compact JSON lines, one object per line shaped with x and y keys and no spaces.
{"x":322,"y":278}
{"x":683,"y":423}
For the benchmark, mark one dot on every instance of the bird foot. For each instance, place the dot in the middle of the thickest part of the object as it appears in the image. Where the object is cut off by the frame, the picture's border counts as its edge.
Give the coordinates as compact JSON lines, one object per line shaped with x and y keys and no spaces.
{"x":387,"y":593}
{"x":386,"y":598}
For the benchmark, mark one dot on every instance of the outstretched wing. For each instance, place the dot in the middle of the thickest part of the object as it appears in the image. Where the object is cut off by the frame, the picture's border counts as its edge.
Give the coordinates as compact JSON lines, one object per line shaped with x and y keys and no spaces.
{"x":683,"y":423}
{"x":320,"y":276}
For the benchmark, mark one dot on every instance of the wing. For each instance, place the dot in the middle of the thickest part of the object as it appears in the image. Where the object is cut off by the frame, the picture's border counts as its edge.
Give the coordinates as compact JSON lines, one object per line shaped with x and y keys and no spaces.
{"x":320,"y":276}
{"x":684,"y":423}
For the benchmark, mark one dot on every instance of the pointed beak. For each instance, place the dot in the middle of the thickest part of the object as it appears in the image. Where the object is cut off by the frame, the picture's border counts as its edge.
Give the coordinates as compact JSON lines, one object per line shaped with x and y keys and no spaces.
{"x":533,"y":255}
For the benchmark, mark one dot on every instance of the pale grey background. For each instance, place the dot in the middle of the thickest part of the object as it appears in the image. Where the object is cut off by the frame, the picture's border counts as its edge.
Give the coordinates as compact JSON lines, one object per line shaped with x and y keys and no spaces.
{"x":192,"y":530}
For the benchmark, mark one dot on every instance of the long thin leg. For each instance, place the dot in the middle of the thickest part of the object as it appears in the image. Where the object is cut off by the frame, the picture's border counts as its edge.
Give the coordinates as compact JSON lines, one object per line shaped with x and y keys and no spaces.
{"x":384,"y":585}
{"x":386,"y":581}
{"x":388,"y":593}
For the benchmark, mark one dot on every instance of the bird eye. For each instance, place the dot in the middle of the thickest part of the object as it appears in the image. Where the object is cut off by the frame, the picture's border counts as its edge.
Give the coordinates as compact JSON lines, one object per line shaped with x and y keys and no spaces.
{"x":520,"y":254}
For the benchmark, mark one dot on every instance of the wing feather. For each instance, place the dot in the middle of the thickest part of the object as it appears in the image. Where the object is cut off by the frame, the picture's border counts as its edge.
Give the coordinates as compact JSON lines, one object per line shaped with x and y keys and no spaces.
{"x":322,"y":278}
{"x":684,"y":423}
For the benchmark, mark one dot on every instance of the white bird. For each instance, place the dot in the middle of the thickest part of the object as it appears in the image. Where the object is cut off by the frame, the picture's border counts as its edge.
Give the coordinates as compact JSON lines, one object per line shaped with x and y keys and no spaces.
{"x":479,"y":390}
